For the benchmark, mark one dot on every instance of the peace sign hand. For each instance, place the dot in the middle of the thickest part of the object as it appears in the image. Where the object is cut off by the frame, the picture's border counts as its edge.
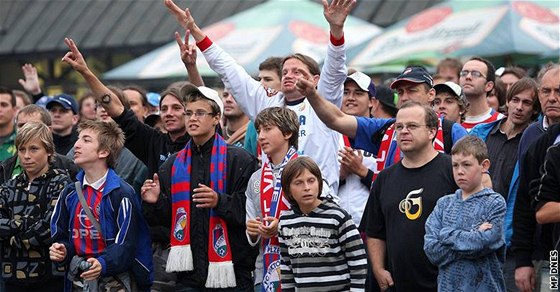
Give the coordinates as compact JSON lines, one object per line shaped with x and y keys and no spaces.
{"x":74,"y":57}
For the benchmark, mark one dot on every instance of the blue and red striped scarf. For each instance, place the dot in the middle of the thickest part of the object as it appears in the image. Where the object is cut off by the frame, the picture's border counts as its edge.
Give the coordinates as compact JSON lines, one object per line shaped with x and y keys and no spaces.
{"x":273,"y":203}
{"x":220,"y":269}
{"x":88,"y":242}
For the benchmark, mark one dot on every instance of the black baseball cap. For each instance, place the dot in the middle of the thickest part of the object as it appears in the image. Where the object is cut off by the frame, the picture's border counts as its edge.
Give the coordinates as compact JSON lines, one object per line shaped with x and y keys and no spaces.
{"x":414,"y":74}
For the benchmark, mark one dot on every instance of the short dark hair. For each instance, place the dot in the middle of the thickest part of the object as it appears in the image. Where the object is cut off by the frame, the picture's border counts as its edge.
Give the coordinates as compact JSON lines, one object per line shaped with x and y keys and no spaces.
{"x":284,"y":118}
{"x":293,"y":169}
{"x":306,"y":60}
{"x":491,"y":74}
{"x":500,"y":91}
{"x":174,"y":91}
{"x":143,"y":93}
{"x":5,"y":90}
{"x":471,"y":145}
{"x":272,"y":64}
{"x":430,"y":116}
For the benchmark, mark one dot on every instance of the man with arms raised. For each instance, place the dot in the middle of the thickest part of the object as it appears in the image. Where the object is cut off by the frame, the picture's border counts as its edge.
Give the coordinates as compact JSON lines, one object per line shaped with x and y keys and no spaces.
{"x":315,"y":139}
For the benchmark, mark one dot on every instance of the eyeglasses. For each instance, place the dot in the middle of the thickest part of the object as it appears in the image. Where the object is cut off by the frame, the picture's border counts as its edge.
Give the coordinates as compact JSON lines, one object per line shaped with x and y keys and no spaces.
{"x":411,"y":127}
{"x":546,"y":91}
{"x":474,"y":73}
{"x":189,"y":114}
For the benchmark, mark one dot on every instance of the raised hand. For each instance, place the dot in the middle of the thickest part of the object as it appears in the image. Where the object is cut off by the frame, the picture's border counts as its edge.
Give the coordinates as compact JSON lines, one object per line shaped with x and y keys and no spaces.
{"x":177,"y":12}
{"x":74,"y":58}
{"x":188,"y":52}
{"x":185,"y":19}
{"x":31,"y":81}
{"x":150,"y":190}
{"x":336,"y":14}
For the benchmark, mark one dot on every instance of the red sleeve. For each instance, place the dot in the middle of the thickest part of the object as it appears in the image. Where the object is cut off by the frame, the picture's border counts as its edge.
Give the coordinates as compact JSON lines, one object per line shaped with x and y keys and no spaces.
{"x":205,"y":44}
{"x":334,"y":41}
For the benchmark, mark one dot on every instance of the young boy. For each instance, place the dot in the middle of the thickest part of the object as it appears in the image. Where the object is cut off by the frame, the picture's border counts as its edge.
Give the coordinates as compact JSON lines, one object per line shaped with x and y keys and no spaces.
{"x":277,"y":129}
{"x":203,"y":195}
{"x":319,"y":242}
{"x":464,"y":234}
{"x":107,"y":246}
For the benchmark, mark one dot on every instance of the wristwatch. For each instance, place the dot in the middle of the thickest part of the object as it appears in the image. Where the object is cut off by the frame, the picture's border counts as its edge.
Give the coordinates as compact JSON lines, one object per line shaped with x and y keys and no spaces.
{"x":106,"y":99}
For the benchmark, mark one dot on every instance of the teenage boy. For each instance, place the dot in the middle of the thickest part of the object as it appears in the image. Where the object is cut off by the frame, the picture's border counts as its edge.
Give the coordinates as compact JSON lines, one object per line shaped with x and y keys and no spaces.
{"x":277,"y":129}
{"x":464,"y":233}
{"x":203,"y":195}
{"x":111,"y":234}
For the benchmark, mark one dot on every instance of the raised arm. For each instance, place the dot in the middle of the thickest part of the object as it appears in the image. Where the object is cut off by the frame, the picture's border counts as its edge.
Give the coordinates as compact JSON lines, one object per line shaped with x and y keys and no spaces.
{"x":188,"y":56}
{"x":31,"y":82}
{"x":329,"y":114}
{"x":74,"y":58}
{"x":334,"y":71}
{"x":249,"y":93}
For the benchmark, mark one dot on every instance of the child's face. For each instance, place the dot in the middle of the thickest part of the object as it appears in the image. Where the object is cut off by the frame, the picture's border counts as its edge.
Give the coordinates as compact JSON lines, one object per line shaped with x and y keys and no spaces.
{"x":86,"y":148}
{"x":305,"y":191}
{"x":467,"y":171}
{"x":33,"y":157}
{"x":271,"y":139}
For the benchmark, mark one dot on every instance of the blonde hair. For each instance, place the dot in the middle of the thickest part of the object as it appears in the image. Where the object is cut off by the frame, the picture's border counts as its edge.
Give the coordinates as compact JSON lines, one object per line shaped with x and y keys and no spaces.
{"x":33,"y":130}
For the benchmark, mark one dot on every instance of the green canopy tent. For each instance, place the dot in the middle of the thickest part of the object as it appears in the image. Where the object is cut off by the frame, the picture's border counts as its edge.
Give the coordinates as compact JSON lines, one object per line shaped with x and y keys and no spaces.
{"x":274,"y":28}
{"x":505,"y":31}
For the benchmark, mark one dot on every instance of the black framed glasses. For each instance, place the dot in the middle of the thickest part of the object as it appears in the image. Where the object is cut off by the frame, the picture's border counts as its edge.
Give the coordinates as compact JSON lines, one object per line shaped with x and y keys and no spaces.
{"x":474,"y":73}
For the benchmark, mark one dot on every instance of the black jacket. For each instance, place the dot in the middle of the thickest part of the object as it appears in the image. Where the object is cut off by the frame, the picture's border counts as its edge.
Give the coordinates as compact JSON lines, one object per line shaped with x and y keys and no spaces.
{"x":26,"y":244}
{"x":526,"y":231}
{"x":63,"y":144}
{"x":148,"y":144}
{"x":231,"y":207}
{"x":60,"y":162}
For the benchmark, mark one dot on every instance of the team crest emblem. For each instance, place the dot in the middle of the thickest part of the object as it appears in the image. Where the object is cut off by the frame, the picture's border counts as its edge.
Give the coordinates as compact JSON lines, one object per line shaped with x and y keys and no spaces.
{"x":180,"y":224}
{"x":271,"y":281}
{"x":219,"y":241}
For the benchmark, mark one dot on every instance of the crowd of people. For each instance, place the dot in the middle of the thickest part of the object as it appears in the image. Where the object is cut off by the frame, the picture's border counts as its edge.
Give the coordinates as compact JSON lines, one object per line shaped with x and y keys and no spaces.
{"x":305,"y":178}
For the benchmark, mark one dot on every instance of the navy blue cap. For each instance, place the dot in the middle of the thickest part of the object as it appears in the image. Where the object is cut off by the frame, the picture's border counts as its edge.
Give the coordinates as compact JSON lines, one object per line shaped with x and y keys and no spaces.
{"x":65,"y":100}
{"x":414,"y":74}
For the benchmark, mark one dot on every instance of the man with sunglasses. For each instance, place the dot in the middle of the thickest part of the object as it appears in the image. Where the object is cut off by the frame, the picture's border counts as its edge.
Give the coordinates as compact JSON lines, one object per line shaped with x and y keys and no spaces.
{"x":477,"y":80}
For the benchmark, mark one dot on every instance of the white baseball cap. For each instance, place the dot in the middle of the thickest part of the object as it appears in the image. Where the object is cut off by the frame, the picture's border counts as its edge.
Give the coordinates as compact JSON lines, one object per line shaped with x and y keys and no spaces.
{"x":209,"y":93}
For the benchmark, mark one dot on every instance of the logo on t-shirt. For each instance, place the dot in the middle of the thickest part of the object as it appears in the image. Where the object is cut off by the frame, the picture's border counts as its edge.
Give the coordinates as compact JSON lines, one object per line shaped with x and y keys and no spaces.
{"x":408,"y":205}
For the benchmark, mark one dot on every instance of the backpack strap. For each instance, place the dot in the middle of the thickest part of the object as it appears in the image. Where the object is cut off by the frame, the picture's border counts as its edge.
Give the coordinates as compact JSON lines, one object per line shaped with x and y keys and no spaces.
{"x":86,"y":208}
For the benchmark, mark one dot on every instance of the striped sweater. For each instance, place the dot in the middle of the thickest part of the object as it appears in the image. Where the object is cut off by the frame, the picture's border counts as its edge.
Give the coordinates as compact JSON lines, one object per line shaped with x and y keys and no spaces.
{"x":321,"y":251}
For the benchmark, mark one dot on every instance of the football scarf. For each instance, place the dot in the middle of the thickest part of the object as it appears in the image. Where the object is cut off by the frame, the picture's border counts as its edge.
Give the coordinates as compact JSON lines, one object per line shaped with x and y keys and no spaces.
{"x":389,"y":153}
{"x":220,"y":268}
{"x":272,"y":204}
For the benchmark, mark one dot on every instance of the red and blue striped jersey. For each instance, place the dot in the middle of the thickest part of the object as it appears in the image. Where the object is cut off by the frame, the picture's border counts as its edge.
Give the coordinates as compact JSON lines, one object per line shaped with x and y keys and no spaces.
{"x":88,"y":242}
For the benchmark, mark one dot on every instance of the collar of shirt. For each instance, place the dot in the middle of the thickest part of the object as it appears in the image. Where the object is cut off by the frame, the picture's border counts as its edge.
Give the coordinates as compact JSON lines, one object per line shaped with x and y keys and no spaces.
{"x":97,"y":184}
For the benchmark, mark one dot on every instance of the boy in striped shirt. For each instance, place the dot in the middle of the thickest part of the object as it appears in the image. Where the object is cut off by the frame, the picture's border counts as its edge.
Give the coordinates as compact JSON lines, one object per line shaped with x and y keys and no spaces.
{"x":112,"y":250}
{"x":320,"y":245}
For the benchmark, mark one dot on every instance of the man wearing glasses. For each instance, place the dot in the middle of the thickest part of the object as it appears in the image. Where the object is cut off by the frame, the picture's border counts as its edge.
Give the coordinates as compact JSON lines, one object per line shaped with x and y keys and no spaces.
{"x":477,"y":79}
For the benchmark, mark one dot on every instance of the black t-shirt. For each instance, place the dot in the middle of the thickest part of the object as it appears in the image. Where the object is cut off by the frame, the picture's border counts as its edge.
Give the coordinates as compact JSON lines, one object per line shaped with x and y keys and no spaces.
{"x":399,"y":205}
